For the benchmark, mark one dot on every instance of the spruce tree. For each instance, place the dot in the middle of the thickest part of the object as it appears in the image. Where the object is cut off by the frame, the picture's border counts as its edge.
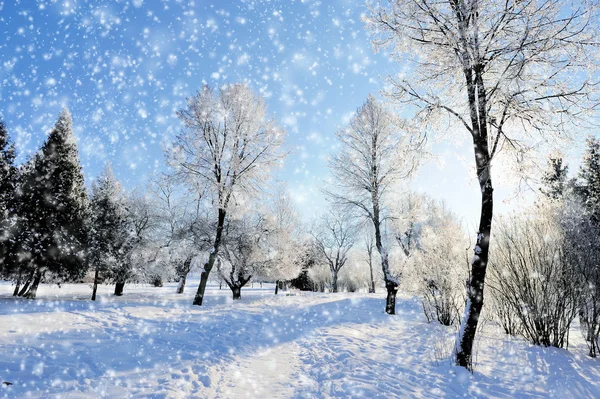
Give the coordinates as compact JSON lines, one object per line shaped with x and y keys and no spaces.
{"x":110,"y":236}
{"x":8,"y":185}
{"x":588,"y":188}
{"x":554,"y":179}
{"x":54,"y":209}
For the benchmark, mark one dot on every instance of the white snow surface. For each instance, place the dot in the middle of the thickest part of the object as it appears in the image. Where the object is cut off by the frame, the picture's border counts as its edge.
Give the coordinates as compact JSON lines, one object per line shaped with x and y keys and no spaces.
{"x":152,"y":343}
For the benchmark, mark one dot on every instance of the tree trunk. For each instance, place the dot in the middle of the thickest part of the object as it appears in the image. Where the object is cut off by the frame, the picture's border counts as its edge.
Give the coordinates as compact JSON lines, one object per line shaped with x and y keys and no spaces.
{"x":372,"y":287}
{"x":27,"y":283}
{"x":17,"y":286}
{"x":198,"y":298}
{"x":32,"y":292}
{"x":237,"y":293}
{"x":276,"y":287}
{"x":334,"y":281}
{"x":181,"y":285}
{"x":391,"y":284}
{"x":95,"y":284}
{"x":119,"y":288}
{"x":390,"y":301}
{"x":475,"y":284}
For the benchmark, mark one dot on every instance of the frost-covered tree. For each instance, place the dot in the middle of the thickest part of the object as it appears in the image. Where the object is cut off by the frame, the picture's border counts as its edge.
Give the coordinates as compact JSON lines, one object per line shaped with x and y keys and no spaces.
{"x":53,"y":210}
{"x":506,"y":72}
{"x":142,"y":219}
{"x":581,"y":221}
{"x":110,"y":235}
{"x":176,"y":241}
{"x":334,"y":236}
{"x":588,"y":182}
{"x":283,"y":242}
{"x":373,"y":156}
{"x":583,"y":250}
{"x":554,"y":178}
{"x":243,"y":254}
{"x":228,"y":147}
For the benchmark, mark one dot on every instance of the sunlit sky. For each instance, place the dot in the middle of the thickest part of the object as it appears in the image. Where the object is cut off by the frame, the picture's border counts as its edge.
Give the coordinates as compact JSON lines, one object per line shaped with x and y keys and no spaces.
{"x":124,"y":67}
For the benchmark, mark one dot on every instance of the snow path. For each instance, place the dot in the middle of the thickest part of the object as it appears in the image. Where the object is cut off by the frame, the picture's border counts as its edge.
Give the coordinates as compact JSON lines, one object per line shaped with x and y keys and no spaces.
{"x":151,"y":343}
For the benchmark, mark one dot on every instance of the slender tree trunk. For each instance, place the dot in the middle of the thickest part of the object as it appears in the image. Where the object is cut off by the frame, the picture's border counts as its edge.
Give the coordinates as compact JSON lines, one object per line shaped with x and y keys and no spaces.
{"x":334,"y":281}
{"x":119,"y":286}
{"x":211,"y":260}
{"x":475,"y":284}
{"x":181,"y":285}
{"x":95,"y":284}
{"x":372,"y":287}
{"x":237,"y":293}
{"x":276,"y":287}
{"x":32,"y":291}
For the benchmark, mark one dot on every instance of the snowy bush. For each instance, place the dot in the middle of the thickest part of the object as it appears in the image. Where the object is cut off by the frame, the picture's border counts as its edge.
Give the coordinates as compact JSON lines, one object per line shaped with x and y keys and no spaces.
{"x":532,"y":275}
{"x":441,"y":266}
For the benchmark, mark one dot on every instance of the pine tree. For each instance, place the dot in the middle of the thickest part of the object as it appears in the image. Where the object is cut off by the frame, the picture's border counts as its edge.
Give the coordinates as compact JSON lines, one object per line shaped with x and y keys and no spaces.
{"x":554,"y":179}
{"x":110,"y":235}
{"x":8,"y":184}
{"x":54,"y":209}
{"x":588,"y":188}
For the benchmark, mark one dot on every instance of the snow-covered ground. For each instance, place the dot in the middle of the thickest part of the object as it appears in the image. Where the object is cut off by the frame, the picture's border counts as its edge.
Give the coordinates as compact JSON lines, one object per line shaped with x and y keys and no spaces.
{"x":151,"y":343}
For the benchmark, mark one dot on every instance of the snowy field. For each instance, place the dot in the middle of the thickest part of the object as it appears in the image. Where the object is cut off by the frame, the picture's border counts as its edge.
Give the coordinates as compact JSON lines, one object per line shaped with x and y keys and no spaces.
{"x":151,"y":343}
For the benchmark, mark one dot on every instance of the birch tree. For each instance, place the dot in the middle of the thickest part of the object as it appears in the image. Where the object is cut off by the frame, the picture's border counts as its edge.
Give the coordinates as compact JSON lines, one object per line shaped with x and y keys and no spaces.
{"x":509,"y":73}
{"x":229,"y":146}
{"x":373,"y":156}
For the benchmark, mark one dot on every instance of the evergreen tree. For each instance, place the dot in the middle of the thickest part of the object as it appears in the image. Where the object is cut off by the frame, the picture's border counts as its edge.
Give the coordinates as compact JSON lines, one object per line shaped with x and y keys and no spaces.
{"x":110,"y":236}
{"x":54,"y":209}
{"x":588,"y":188}
{"x":8,"y":184}
{"x":554,"y":179}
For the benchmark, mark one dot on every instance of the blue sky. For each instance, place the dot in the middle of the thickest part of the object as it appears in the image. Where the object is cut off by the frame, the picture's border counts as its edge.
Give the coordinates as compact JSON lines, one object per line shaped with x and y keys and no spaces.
{"x":124,"y":67}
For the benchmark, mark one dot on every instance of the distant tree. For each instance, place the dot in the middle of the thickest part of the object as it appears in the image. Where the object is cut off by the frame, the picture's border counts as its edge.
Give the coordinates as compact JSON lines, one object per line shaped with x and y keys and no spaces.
{"x":228,"y":148}
{"x":143,"y":221}
{"x":372,"y":157}
{"x":334,"y":236}
{"x":554,"y":179}
{"x":506,"y":72}
{"x":110,"y":235}
{"x":243,"y":255}
{"x":54,"y":210}
{"x":283,"y":241}
{"x":178,"y":218}
{"x":369,"y":244}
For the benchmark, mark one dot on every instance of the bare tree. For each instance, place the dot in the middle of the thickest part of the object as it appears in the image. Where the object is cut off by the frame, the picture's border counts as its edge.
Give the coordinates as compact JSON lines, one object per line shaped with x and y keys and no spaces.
{"x":369,"y":244}
{"x":334,"y":237}
{"x":228,"y":147}
{"x":373,"y":156}
{"x":506,"y":71}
